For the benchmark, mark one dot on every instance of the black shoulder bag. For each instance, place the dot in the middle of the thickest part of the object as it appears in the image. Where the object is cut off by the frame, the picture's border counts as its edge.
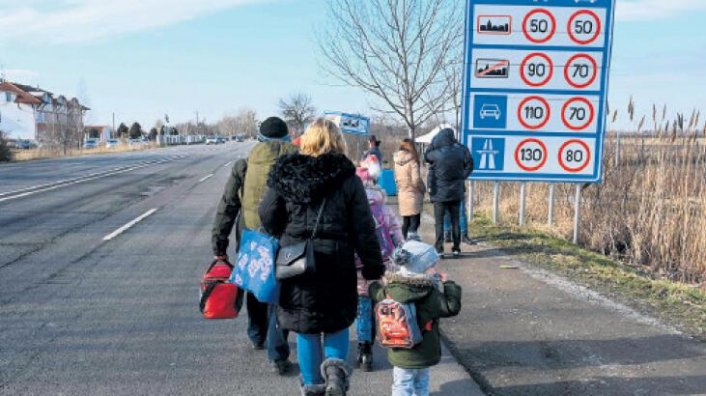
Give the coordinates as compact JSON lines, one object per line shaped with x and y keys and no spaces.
{"x":298,"y":259}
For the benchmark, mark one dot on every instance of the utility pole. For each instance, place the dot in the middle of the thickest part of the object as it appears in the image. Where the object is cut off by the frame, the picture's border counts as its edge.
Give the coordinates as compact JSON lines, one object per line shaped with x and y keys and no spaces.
{"x":197,"y":123}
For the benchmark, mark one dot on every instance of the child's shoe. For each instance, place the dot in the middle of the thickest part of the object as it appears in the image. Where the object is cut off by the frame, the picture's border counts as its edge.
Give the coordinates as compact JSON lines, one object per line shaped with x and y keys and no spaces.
{"x":365,"y":356}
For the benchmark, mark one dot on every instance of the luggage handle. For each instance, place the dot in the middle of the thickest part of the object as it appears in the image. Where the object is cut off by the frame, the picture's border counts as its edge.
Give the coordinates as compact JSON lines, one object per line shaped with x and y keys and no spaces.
{"x":216,"y":261}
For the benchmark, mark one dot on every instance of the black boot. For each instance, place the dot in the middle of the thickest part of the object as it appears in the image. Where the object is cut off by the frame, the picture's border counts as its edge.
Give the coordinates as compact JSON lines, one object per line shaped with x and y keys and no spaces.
{"x":337,"y":373}
{"x":313,"y":390}
{"x":365,"y":356}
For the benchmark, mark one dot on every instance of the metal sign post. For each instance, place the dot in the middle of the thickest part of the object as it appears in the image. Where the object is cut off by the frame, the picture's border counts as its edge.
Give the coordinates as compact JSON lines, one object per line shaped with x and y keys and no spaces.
{"x":577,"y":213}
{"x":535,"y":84}
{"x":550,"y":204}
{"x":523,"y":199}
{"x":496,"y":203}
{"x":471,"y":211}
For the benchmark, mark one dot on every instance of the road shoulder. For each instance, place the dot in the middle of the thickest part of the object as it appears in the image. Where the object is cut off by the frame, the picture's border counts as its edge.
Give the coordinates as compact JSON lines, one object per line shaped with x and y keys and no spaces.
{"x":525,"y":330}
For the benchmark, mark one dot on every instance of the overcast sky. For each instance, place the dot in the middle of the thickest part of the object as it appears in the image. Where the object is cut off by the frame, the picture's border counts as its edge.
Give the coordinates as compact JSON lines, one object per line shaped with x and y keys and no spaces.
{"x":143,"y":58}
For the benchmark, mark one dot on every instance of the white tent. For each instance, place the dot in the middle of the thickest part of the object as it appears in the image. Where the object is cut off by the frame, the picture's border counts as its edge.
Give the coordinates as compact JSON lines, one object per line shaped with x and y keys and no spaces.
{"x":427,"y":138}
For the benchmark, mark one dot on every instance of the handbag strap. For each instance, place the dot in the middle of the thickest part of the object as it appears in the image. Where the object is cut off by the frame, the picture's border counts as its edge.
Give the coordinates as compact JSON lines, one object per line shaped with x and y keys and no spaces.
{"x":318,"y":218}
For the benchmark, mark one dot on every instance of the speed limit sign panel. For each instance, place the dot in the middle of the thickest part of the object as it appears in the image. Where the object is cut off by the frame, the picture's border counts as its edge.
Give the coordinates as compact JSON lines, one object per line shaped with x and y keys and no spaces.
{"x":538,"y":70}
{"x":543,"y":24}
{"x":535,"y":86}
{"x":549,"y":156}
{"x":550,"y":114}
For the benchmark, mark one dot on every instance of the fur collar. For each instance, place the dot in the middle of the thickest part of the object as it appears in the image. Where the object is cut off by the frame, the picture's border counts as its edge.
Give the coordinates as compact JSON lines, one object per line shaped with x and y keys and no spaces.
{"x":411,"y":280}
{"x":304,"y":179}
{"x":403,"y":157}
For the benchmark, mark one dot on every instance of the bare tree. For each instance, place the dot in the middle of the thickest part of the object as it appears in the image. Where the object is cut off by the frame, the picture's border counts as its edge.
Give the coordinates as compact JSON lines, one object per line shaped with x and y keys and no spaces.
{"x":5,"y":152}
{"x":397,"y":50}
{"x":454,"y":78}
{"x":297,"y":110}
{"x":242,"y":122}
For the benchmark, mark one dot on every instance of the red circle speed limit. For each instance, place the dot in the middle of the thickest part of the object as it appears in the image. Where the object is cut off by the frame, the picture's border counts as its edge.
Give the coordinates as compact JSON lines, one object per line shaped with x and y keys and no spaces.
{"x":581,"y":70}
{"x":539,"y":26}
{"x":574,"y":155}
{"x":584,"y":27}
{"x":578,"y":113}
{"x":534,"y":112}
{"x":531,"y":155}
{"x":537,"y":69}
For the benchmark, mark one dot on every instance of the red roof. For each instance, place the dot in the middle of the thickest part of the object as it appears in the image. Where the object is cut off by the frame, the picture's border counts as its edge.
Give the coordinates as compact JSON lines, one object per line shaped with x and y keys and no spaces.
{"x":22,"y":96}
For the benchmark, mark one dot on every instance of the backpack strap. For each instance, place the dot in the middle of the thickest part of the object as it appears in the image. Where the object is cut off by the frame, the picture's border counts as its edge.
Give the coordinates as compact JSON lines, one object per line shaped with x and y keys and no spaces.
{"x":206,"y":294}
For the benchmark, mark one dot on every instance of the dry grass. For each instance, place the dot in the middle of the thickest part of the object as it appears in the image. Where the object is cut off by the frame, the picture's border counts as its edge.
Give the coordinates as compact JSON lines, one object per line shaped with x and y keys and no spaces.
{"x":650,"y":211}
{"x":47,"y":153}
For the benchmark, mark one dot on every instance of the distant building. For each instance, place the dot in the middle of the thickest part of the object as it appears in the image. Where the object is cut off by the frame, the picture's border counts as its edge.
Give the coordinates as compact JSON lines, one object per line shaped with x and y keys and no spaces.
{"x":18,"y":112}
{"x":32,"y":113}
{"x":102,"y":132}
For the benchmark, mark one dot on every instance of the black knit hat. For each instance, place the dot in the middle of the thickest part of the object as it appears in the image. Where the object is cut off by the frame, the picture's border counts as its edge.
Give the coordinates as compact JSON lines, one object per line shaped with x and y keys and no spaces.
{"x":274,"y":128}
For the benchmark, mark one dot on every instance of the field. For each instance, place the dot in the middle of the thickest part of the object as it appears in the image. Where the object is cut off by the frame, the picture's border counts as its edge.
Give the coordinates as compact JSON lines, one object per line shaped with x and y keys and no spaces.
{"x":42,"y":153}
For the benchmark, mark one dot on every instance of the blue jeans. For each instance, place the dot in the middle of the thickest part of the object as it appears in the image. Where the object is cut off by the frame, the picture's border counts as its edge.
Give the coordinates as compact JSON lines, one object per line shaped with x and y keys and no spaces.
{"x":311,"y":352}
{"x":464,"y":220}
{"x":277,"y":344}
{"x":410,"y":382}
{"x":263,"y":329}
{"x":365,"y":322}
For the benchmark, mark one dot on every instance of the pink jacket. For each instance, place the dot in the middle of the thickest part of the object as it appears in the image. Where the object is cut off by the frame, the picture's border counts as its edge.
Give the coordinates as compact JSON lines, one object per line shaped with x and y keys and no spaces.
{"x":376,"y":195}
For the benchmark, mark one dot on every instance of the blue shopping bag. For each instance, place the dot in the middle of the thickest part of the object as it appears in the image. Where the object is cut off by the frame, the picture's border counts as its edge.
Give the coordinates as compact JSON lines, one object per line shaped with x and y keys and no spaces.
{"x":254,"y":269}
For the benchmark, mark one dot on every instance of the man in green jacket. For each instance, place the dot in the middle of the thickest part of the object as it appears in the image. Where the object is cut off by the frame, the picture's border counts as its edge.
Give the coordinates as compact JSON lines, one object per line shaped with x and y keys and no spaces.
{"x":238,"y":207}
{"x":434,"y":297}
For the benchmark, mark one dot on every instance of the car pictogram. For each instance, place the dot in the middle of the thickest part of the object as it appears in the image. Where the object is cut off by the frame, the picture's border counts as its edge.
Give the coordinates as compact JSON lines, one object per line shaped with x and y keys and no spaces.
{"x":490,"y":110}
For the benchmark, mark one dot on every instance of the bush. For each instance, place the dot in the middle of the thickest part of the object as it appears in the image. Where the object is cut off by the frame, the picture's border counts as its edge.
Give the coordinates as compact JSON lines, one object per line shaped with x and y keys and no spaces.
{"x":5,"y":152}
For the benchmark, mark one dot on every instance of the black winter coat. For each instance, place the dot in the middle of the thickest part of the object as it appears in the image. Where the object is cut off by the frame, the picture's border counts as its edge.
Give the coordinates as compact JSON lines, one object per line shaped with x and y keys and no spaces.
{"x":450,"y":165}
{"x":325,"y":301}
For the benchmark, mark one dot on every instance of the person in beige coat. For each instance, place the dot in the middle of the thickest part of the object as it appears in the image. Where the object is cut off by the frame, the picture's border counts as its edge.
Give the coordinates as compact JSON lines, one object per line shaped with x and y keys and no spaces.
{"x":410,"y":188}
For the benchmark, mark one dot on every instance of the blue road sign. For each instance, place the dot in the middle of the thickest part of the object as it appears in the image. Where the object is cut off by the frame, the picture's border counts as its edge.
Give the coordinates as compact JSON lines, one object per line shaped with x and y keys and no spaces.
{"x":354,"y":124}
{"x":535,"y":86}
{"x":490,"y":111}
{"x":488,"y":154}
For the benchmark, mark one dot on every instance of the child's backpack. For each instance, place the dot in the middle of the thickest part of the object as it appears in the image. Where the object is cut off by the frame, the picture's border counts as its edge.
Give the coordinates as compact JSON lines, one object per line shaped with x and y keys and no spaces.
{"x":397,"y":324}
{"x":219,"y":297}
{"x":382,"y":230}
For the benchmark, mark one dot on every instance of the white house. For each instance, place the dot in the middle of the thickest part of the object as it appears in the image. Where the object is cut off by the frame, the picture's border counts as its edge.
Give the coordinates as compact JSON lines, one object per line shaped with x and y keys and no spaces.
{"x":18,"y":112}
{"x":32,"y":113}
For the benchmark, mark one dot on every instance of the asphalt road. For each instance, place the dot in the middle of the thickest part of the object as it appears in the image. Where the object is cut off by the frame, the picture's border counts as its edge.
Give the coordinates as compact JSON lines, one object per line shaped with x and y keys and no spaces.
{"x":89,"y":306}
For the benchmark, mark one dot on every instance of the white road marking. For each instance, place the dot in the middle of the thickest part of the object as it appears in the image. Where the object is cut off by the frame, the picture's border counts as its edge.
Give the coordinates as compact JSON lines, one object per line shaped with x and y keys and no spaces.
{"x":69,"y":182}
{"x":228,"y":164}
{"x":128,"y":225}
{"x":203,"y":179}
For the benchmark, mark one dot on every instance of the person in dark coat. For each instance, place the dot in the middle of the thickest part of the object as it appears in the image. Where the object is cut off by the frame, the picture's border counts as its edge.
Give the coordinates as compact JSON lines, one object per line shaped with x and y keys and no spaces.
{"x":450,"y":164}
{"x":323,"y":302}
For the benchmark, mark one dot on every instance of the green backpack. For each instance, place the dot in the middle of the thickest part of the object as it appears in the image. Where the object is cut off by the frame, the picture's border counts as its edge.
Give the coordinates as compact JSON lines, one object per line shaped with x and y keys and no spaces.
{"x":260,"y":161}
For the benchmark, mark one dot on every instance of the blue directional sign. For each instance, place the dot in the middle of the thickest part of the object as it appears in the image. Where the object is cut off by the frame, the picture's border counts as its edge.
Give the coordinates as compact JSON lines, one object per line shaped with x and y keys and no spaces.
{"x":535,"y":87}
{"x":354,"y":124}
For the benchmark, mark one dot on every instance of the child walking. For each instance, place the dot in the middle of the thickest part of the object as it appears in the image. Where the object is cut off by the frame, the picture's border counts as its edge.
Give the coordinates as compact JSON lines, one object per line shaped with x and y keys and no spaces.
{"x":424,"y":295}
{"x":389,"y":235}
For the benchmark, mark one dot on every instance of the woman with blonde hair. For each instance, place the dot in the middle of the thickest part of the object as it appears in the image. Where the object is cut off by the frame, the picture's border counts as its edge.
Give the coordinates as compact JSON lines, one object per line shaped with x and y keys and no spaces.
{"x":315,"y":195}
{"x":410,"y":188}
